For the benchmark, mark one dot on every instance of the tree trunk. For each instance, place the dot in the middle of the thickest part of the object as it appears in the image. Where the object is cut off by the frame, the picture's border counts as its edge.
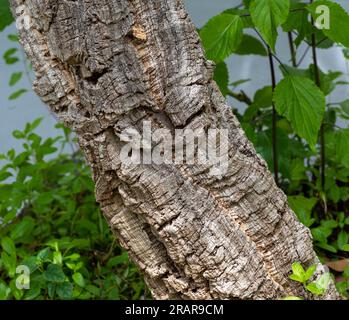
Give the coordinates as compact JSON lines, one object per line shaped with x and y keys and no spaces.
{"x":106,"y":65}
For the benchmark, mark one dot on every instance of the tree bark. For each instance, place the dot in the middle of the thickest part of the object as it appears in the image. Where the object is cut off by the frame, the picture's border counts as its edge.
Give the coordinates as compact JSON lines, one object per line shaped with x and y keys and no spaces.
{"x":105,"y":65}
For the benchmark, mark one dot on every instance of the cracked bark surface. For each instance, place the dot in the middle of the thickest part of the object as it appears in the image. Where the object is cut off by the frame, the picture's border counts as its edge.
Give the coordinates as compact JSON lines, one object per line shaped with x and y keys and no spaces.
{"x":105,"y":65}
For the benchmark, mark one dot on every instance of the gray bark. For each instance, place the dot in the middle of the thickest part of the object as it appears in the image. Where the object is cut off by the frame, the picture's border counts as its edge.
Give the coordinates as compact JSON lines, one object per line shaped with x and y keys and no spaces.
{"x":104,"y":65}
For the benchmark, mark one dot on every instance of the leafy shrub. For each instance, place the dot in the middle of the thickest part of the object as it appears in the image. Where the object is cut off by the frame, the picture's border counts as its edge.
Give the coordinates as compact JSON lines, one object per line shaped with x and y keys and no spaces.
{"x":50,"y":222}
{"x":293,"y":123}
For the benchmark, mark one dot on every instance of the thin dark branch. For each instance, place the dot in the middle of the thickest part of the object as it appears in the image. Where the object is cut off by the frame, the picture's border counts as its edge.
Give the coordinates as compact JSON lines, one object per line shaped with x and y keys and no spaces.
{"x":274,"y":120}
{"x":241,"y":96}
{"x":303,"y":56}
{"x":274,"y":55}
{"x":322,"y":130}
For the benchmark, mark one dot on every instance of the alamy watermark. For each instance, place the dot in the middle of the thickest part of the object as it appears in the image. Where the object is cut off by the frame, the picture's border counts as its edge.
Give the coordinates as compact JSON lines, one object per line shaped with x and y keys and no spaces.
{"x":323,"y":21}
{"x":23,"y":279}
{"x":180,"y":146}
{"x":24,"y":20}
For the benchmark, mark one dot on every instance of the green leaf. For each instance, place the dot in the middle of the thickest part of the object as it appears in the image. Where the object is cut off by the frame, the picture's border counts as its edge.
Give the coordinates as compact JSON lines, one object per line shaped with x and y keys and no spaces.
{"x":303,"y":207}
{"x":115,"y":261}
{"x":263,"y":98}
{"x":340,"y":141}
{"x":345,"y":107}
{"x":221,"y":76}
{"x":5,"y":14}
{"x":4,"y":291}
{"x":338,"y":21}
{"x":303,"y":104}
{"x":93,"y":289}
{"x":9,"y":246}
{"x":5,"y":175}
{"x":345,"y":248}
{"x":298,"y":272}
{"x":267,"y":16}
{"x":18,"y":134}
{"x":221,"y":36}
{"x":9,"y":262}
{"x":243,"y":14}
{"x":310,"y":272}
{"x":251,"y":45}
{"x":17,"y":94}
{"x":15,"y":77}
{"x":324,"y":281}
{"x":342,"y":239}
{"x":8,"y":56}
{"x":23,"y":228}
{"x":298,"y":20}
{"x":237,"y":83}
{"x":65,"y":290}
{"x":313,"y":288}
{"x":294,"y":277}
{"x":51,"y":289}
{"x":33,"y":125}
{"x":326,"y":246}
{"x":79,"y":279}
{"x":54,"y":273}
{"x":298,"y":269}
{"x":13,"y":37}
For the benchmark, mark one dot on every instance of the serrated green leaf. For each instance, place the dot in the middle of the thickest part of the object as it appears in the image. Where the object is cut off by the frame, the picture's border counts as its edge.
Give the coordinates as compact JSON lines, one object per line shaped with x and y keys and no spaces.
{"x":54,"y":273}
{"x":221,"y":36}
{"x":338,"y":21}
{"x":251,"y":45}
{"x":303,"y":207}
{"x":267,"y":16}
{"x":298,"y":20}
{"x":64,"y":290}
{"x":303,"y":104}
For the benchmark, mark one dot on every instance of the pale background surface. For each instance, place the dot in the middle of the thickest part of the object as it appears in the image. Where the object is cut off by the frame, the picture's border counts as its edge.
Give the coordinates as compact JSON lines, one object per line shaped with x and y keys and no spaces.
{"x":15,"y":114}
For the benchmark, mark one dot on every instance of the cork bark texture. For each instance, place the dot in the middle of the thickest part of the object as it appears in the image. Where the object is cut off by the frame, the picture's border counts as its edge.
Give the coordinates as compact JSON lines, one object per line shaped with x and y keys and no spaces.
{"x":105,"y":65}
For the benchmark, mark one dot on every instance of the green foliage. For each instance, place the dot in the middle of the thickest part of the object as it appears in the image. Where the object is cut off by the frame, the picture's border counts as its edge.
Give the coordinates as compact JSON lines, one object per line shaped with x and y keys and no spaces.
{"x":306,"y":121}
{"x":267,"y":16}
{"x":5,"y":14}
{"x":51,"y":223}
{"x":303,"y":104}
{"x":339,"y":21}
{"x":222,"y":36}
{"x":317,"y":287}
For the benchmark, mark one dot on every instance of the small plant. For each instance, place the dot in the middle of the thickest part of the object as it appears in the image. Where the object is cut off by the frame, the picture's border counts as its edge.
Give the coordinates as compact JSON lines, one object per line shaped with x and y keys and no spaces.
{"x":317,"y":287}
{"x":55,"y":243}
